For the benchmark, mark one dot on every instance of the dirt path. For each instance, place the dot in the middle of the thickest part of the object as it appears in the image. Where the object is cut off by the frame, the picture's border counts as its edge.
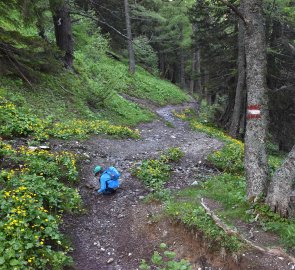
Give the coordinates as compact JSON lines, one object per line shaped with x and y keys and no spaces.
{"x":116,"y":231}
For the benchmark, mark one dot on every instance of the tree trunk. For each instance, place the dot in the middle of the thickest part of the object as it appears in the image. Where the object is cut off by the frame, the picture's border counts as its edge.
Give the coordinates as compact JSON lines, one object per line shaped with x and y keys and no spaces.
{"x":206,"y":93}
{"x":129,"y":36}
{"x":162,"y":64}
{"x":63,"y":32}
{"x":279,"y":191}
{"x":198,"y":84}
{"x":240,"y":89}
{"x":256,"y":128}
{"x":181,"y":56}
{"x":192,"y":82}
{"x":181,"y":71}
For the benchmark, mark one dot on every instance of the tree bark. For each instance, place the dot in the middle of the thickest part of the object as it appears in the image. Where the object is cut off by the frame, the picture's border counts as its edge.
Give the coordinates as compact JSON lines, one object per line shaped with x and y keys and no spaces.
{"x":206,"y":92}
{"x":181,"y":71}
{"x":63,"y":32}
{"x":192,"y":82}
{"x":256,"y":128}
{"x":162,"y":64}
{"x":198,"y":83}
{"x":129,"y":36}
{"x":279,"y":191}
{"x":241,"y":84}
{"x":195,"y":84}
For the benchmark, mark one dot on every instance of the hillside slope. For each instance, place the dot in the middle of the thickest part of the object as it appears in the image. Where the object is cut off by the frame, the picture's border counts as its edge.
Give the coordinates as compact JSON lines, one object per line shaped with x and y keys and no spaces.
{"x":92,"y":90}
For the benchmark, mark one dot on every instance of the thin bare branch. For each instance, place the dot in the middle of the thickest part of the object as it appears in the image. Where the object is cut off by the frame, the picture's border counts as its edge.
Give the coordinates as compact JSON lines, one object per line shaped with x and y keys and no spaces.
{"x":234,"y":9}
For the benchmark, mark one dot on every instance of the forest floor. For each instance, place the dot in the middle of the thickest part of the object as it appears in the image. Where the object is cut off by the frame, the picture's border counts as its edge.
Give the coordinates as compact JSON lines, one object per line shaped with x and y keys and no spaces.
{"x":116,"y":232}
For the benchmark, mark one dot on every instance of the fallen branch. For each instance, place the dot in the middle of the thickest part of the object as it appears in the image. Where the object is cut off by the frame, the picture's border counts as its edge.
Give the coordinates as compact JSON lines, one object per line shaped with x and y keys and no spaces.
{"x":234,"y":231}
{"x":218,"y":221}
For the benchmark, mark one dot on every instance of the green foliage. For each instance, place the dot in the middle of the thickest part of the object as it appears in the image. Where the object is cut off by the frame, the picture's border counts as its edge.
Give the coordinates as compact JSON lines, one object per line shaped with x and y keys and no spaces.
{"x":230,"y":158}
{"x":165,"y":260}
{"x":155,"y":172}
{"x":194,"y":216}
{"x":271,"y":221}
{"x":228,"y":189}
{"x":16,"y":121}
{"x":145,"y":54}
{"x":206,"y":114}
{"x":32,"y":199}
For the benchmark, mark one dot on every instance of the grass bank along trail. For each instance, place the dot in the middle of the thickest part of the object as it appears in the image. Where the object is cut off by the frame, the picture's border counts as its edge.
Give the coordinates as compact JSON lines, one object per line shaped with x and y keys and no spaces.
{"x":116,"y":232}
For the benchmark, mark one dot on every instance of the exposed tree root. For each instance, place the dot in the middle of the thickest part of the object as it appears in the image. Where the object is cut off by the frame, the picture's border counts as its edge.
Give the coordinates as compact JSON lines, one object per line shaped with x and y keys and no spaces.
{"x":233,"y":231}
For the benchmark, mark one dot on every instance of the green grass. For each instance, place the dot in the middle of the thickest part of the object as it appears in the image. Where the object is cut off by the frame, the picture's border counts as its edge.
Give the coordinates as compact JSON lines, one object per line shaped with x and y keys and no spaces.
{"x":187,"y":209}
{"x":155,"y":172}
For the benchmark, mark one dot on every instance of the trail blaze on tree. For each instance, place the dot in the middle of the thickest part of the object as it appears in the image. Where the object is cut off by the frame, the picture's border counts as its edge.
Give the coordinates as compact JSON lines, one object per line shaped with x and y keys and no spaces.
{"x":255,"y":141}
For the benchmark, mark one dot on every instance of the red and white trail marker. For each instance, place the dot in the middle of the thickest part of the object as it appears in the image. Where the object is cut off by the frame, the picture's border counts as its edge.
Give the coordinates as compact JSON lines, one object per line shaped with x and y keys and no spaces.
{"x":253,"y":112}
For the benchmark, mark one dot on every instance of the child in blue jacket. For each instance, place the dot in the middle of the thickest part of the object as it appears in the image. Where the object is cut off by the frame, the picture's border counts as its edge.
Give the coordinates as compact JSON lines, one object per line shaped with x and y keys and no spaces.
{"x":108,"y":179}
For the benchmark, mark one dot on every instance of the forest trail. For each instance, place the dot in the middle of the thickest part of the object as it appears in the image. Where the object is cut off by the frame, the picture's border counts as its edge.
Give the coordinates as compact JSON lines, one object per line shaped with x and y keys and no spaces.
{"x":117,"y":231}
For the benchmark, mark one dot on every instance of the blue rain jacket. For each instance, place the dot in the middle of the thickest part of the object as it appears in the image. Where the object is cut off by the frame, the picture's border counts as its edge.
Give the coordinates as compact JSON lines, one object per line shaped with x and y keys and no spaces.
{"x":106,"y":180}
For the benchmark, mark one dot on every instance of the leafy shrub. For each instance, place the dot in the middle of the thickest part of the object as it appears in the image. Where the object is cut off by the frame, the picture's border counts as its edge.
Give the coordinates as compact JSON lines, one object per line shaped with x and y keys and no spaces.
{"x":206,"y":113}
{"x":18,"y":122}
{"x":155,"y":172}
{"x":145,"y":54}
{"x":165,"y":259}
{"x":32,"y":198}
{"x":230,"y":158}
{"x":82,"y":128}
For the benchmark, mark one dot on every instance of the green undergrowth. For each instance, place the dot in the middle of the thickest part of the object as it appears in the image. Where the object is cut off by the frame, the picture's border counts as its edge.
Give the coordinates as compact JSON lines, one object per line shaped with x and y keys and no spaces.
{"x":229,"y":187}
{"x":195,"y":217}
{"x":37,"y":186}
{"x":164,"y":259}
{"x":17,"y":121}
{"x":154,"y":173}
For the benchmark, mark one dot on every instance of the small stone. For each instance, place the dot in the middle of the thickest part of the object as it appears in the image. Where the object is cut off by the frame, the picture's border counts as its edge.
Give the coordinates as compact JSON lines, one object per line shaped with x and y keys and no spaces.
{"x":102,"y":249}
{"x":173,"y":137}
{"x":86,"y":155}
{"x":97,"y":244}
{"x":129,"y":254}
{"x":141,"y":197}
{"x":44,"y":147}
{"x":281,"y":258}
{"x":110,"y":260}
{"x":195,"y":183}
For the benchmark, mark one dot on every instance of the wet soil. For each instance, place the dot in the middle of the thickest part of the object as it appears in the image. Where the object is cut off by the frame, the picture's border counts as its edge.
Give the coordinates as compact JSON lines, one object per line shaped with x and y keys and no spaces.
{"x":117,"y":231}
